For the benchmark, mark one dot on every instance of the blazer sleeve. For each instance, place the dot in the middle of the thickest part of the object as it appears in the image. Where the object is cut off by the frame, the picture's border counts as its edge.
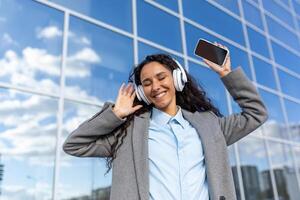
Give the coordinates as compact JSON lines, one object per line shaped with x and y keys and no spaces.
{"x":254,"y":112}
{"x":93,"y":137}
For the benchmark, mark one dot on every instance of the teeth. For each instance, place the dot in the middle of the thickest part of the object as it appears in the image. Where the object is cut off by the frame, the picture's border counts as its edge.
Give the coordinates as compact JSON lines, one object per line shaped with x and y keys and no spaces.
{"x":160,"y":95}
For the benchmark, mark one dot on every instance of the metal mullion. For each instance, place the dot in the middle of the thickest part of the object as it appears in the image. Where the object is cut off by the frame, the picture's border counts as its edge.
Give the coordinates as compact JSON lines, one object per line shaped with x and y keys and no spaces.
{"x":60,"y":107}
{"x":28,"y":90}
{"x":183,"y":36}
{"x":273,"y":181}
{"x":134,"y":28}
{"x":247,"y":42}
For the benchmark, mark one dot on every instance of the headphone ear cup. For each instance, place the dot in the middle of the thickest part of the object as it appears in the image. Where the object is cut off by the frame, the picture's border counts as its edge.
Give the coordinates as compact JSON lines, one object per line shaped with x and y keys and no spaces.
{"x":179,"y":77}
{"x":137,"y":93}
{"x":141,"y":95}
{"x":176,"y":79}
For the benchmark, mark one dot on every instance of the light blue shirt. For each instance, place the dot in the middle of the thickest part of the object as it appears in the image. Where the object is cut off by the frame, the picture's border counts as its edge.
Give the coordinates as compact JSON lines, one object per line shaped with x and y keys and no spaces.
{"x":176,"y":159}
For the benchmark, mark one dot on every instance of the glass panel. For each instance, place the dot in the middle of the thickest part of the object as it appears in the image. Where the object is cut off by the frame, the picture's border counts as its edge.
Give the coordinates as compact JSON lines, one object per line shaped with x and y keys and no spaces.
{"x":283,"y":34}
{"x":254,"y":1}
{"x":114,"y":12}
{"x":289,"y":84}
{"x":258,"y":42}
{"x":252,"y":14}
{"x":285,"y":2}
{"x":28,"y":128}
{"x":286,"y":58}
{"x":81,"y":178}
{"x":296,"y":150}
{"x":98,"y":61}
{"x":284,"y":171}
{"x":281,"y":13}
{"x":238,"y":56}
{"x":264,"y":73}
{"x":275,"y":126}
{"x":296,"y":5}
{"x":171,"y":4}
{"x":293,"y":110}
{"x":234,"y":171}
{"x":158,"y":26}
{"x":231,"y":5}
{"x":201,"y":11}
{"x":255,"y":169}
{"x":298,"y":21}
{"x":145,"y":50}
{"x":212,"y":84}
{"x":30,"y":56}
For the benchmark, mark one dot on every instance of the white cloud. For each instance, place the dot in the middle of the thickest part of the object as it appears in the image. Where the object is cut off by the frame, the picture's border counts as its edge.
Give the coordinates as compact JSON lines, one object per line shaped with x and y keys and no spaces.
{"x":7,"y":40}
{"x":40,"y":60}
{"x":81,"y":40}
{"x":49,"y":32}
{"x":23,"y":70}
{"x":85,"y":40}
{"x":85,"y":55}
{"x":27,"y":134}
{"x":29,"y":122}
{"x":78,"y":64}
{"x":38,"y":190}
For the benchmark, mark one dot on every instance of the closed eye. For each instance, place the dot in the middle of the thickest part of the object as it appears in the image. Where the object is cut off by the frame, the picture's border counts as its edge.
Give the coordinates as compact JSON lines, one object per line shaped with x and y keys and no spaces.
{"x":161,"y":78}
{"x":146,"y":83}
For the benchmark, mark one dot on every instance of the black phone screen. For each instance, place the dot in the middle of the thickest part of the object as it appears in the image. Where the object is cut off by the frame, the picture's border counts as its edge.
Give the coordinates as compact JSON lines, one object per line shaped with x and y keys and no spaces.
{"x":211,"y":52}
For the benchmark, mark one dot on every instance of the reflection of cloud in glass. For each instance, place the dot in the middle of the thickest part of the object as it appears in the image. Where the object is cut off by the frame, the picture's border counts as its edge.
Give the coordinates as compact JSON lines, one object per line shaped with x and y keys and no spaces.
{"x":81,"y":40}
{"x":253,"y":148}
{"x":49,"y":32}
{"x":36,"y":60}
{"x":36,"y":191}
{"x":274,"y":129}
{"x":270,"y":128}
{"x":78,"y":63}
{"x":7,"y":40}
{"x":24,"y":70}
{"x":27,"y":69}
{"x":28,"y":133}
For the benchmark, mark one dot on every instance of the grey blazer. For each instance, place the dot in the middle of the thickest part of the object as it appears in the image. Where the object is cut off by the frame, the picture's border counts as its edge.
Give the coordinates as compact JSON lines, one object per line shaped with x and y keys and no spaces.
{"x":130,"y":173}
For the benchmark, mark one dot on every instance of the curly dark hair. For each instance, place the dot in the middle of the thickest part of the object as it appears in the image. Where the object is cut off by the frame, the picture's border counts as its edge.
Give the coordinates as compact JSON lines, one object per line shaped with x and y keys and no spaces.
{"x":193,"y":98}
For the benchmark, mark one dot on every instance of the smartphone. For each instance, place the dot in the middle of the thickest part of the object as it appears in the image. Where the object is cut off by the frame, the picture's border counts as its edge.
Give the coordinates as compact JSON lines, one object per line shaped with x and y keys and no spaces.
{"x":211,"y":52}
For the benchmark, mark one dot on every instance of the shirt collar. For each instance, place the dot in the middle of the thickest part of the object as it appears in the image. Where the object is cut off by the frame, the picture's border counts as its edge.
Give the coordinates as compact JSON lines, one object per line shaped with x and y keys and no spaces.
{"x":163,"y":118}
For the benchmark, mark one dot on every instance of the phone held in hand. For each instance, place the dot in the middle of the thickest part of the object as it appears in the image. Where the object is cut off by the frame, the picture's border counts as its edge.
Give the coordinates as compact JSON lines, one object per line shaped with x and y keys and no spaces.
{"x":211,"y":52}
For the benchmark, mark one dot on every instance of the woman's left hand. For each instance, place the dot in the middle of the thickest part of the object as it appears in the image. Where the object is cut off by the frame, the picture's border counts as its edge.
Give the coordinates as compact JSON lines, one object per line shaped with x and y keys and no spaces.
{"x":221,"y":70}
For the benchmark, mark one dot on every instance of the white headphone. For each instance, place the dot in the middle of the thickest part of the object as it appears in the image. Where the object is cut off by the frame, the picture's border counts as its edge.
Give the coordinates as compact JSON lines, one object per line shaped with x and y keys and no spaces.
{"x":179,"y":77}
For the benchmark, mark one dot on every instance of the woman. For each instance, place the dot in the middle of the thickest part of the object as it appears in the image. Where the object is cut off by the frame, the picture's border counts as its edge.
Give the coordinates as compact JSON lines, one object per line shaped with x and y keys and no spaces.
{"x":164,"y":137}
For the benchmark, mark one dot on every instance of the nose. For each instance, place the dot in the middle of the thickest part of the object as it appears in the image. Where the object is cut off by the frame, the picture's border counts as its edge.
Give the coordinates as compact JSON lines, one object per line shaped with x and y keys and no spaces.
{"x":155,"y":85}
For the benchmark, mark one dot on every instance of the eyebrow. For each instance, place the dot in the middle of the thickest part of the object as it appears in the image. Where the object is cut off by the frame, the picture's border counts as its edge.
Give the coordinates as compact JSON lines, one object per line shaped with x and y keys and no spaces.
{"x":158,"y":74}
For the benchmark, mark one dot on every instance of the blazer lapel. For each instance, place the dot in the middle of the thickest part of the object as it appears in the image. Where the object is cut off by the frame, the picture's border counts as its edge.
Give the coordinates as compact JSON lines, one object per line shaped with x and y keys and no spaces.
{"x":202,"y":123}
{"x":140,"y":153}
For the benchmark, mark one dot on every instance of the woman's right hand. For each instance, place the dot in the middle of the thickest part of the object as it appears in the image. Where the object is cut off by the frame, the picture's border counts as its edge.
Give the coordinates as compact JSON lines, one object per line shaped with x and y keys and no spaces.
{"x":124,"y":103}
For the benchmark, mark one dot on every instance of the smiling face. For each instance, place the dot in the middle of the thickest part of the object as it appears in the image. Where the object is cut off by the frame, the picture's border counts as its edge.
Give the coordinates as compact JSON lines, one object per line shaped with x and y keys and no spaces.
{"x":158,"y":85}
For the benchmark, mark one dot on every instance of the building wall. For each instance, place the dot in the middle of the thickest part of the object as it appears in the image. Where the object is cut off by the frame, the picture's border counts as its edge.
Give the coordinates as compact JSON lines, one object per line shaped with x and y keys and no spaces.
{"x":60,"y":60}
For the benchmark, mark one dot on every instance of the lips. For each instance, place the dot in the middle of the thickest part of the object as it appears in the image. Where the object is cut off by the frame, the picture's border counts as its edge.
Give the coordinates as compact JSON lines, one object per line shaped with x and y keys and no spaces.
{"x":159,"y":95}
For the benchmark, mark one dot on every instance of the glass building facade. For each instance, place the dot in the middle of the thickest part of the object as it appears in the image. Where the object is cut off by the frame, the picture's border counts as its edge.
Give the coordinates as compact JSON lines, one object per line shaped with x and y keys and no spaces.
{"x":60,"y":60}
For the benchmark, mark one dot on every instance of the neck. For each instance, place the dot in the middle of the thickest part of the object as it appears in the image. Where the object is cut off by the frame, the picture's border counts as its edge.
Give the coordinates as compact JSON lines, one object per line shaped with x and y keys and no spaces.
{"x":171,"y":111}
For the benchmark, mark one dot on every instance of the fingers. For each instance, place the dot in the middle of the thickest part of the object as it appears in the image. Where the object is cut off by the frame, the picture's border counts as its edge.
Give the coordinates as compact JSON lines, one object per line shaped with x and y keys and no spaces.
{"x":135,"y":108}
{"x":121,"y":88}
{"x":222,"y":46}
{"x":133,"y":94}
{"x":126,"y":90}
